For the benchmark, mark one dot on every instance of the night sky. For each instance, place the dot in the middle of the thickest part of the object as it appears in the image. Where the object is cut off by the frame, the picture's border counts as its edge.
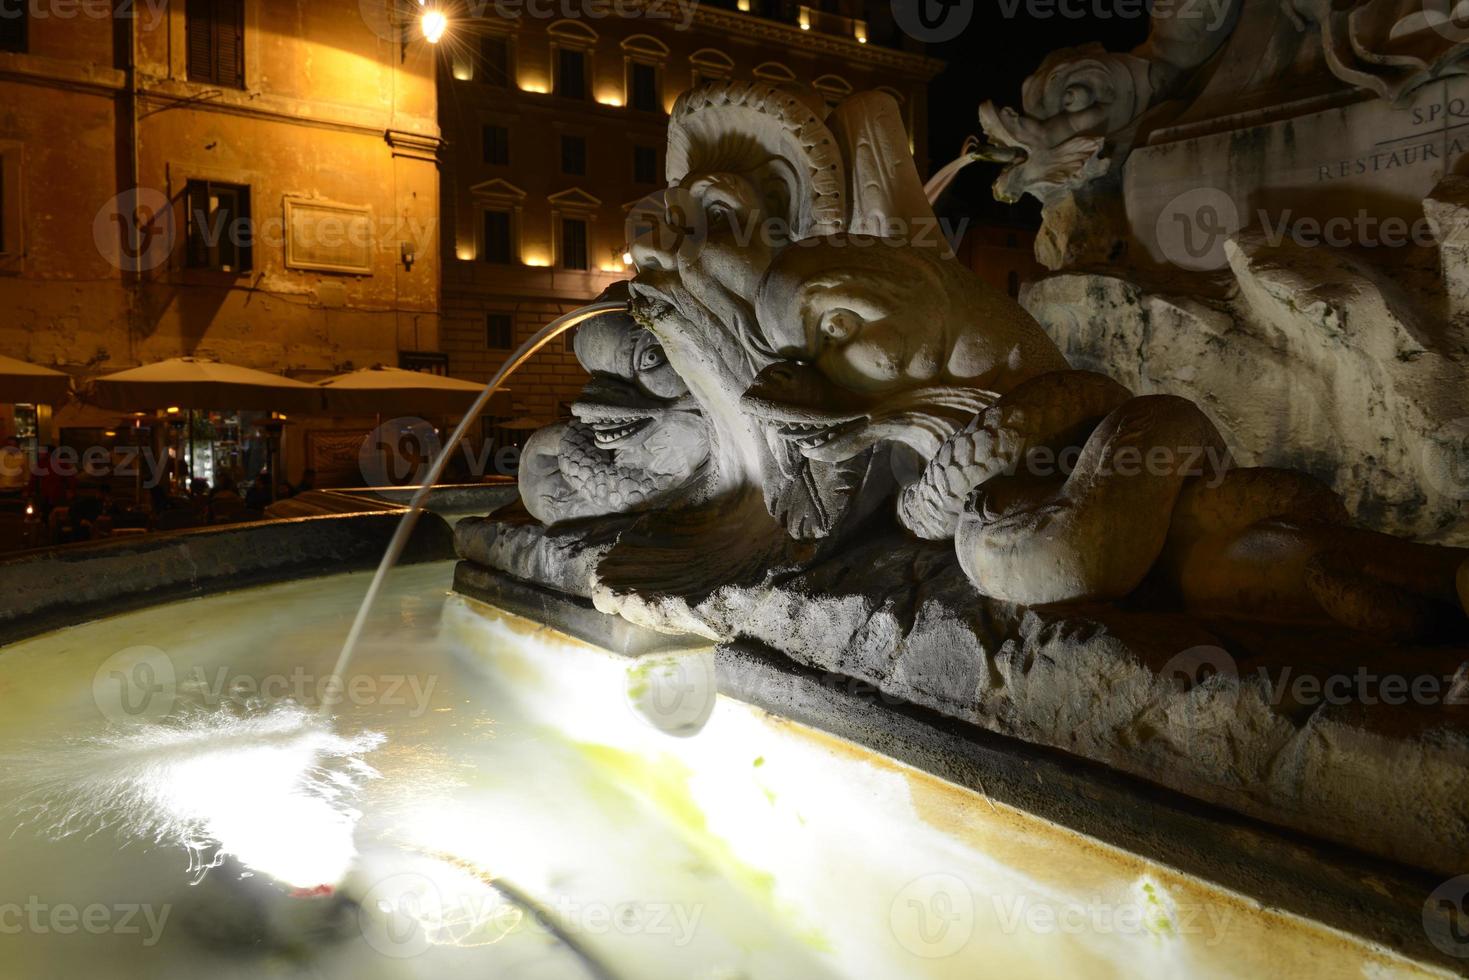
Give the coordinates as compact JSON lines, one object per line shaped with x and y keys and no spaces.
{"x":989,"y":61}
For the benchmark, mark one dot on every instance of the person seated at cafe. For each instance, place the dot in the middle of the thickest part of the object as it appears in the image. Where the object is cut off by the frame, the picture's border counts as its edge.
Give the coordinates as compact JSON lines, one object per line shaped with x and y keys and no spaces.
{"x":259,"y":496}
{"x":225,"y":503}
{"x":53,"y":484}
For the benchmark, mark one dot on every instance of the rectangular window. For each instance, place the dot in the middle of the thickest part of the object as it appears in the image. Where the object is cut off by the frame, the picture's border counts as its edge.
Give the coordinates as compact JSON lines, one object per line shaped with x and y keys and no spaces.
{"x":14,"y":27}
{"x":220,"y":235}
{"x":574,"y":155}
{"x":644,"y":87}
{"x":494,"y":57}
{"x":644,"y":165}
{"x":497,"y":238}
{"x":573,"y":243}
{"x":571,"y":73}
{"x":499,"y":331}
{"x":497,"y":146}
{"x":216,"y":33}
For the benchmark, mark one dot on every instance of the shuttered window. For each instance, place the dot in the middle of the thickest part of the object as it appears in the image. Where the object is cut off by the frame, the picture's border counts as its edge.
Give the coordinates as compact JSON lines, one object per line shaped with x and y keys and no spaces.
{"x":216,"y":30}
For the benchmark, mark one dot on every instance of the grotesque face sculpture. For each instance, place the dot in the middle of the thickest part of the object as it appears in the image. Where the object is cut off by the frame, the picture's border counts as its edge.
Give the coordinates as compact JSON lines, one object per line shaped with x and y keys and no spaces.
{"x":637,"y":439}
{"x":745,"y":183}
{"x":884,"y":342}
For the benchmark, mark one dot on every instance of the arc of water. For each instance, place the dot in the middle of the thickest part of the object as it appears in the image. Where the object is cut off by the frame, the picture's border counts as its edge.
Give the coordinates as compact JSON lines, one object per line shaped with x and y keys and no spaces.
{"x":416,"y":505}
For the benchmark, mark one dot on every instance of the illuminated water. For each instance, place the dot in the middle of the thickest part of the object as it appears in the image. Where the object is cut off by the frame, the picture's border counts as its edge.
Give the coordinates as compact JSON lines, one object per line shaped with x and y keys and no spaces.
{"x":631,"y":825}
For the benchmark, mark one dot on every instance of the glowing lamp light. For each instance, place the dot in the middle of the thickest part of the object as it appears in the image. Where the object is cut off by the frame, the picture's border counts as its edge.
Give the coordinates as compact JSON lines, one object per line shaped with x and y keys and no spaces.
{"x":110,"y":433}
{"x":804,"y":19}
{"x":611,"y":100}
{"x":744,"y":6}
{"x":172,"y":410}
{"x":434,"y":23}
{"x":30,"y":510}
{"x":627,"y":258}
{"x":539,"y":261}
{"x":464,"y":254}
{"x":538,"y":88}
{"x":859,"y":31}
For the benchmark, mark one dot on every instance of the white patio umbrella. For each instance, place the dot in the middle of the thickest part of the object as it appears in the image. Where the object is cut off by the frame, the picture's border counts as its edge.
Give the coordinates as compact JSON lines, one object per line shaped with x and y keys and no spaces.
{"x":390,"y":391}
{"x":22,"y":381}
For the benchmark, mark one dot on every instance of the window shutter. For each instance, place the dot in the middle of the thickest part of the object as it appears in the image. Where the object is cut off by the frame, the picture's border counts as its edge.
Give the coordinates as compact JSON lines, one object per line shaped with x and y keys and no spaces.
{"x":197,"y":201}
{"x":216,"y":41}
{"x":199,"y":15}
{"x":246,"y":231}
{"x":230,"y":31}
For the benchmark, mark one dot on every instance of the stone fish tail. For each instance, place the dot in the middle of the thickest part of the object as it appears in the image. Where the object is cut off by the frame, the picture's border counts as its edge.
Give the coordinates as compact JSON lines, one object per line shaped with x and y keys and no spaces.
{"x":1055,"y":409}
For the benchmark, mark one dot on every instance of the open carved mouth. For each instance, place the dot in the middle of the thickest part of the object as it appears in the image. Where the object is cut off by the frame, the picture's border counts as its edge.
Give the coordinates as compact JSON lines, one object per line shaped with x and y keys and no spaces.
{"x":809,"y":436}
{"x":610,"y":433}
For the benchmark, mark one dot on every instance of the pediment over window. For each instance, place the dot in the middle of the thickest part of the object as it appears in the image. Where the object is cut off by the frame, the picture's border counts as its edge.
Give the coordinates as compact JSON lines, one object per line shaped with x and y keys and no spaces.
{"x":497,"y":190}
{"x":574,"y":199}
{"x":645,"y":45}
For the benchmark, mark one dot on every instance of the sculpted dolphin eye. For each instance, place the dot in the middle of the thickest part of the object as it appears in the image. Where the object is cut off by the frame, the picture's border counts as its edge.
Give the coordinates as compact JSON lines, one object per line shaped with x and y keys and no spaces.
{"x":840,"y":324}
{"x":1076,"y":98}
{"x":651,"y":357}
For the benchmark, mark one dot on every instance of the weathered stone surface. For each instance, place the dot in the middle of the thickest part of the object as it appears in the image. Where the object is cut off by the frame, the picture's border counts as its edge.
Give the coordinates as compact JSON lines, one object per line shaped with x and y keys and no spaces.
{"x":62,"y":586}
{"x":1296,"y":728}
{"x":1317,"y":363}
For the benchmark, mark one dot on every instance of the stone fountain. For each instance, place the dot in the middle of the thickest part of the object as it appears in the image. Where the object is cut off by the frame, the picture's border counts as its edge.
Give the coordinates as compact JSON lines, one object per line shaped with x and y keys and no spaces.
{"x":1190,"y":510}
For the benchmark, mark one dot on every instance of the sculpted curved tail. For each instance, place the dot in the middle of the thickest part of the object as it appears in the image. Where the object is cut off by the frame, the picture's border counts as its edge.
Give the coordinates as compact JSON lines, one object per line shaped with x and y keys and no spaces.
{"x":1053,"y":411}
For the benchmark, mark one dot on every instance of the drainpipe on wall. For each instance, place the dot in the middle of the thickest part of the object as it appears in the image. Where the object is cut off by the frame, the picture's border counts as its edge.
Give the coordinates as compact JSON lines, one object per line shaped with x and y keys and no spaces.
{"x":129,"y":165}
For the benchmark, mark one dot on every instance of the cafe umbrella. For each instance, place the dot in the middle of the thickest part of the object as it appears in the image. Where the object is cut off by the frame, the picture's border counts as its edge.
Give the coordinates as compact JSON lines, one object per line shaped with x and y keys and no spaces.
{"x":389,"y":391}
{"x":197,"y":382}
{"x":24,"y":383}
{"x":403,"y":395}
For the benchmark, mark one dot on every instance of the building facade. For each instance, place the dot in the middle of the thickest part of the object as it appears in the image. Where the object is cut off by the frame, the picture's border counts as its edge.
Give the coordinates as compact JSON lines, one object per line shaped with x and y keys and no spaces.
{"x":555,"y":129}
{"x":242,"y":179}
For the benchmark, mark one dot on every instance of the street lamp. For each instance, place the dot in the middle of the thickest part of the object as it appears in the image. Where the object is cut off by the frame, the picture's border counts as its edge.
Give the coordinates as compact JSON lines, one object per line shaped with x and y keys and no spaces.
{"x":433,"y":23}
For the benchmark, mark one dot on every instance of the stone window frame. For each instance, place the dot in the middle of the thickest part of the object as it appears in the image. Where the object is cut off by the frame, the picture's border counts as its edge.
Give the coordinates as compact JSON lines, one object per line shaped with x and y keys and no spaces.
{"x":512,"y":58}
{"x":577,"y":204}
{"x":178,"y":47}
{"x":644,"y":49}
{"x":774,"y":71}
{"x":710,"y":63}
{"x":498,"y":195}
{"x":834,"y":88}
{"x":573,"y":36}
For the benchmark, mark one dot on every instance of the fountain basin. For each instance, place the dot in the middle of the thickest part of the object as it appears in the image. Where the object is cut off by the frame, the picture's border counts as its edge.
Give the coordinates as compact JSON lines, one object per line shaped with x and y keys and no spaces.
{"x":546,"y":805}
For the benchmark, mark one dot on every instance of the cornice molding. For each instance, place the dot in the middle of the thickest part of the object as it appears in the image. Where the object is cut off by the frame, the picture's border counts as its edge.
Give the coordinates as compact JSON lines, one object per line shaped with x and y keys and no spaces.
{"x":917,"y":66}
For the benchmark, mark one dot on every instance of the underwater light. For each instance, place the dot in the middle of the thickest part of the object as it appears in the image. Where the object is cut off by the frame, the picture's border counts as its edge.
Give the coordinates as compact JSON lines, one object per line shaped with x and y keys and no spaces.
{"x":272,"y":788}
